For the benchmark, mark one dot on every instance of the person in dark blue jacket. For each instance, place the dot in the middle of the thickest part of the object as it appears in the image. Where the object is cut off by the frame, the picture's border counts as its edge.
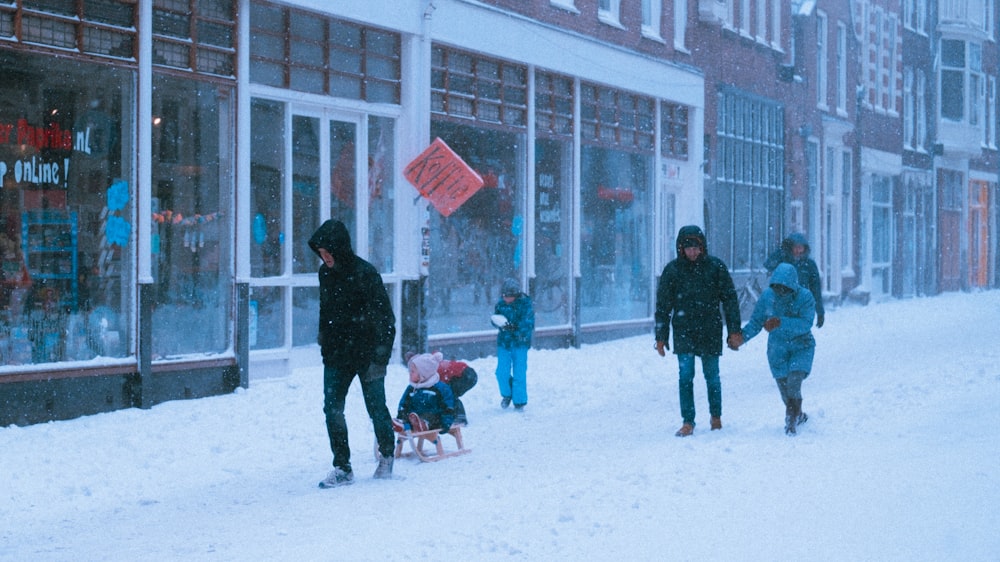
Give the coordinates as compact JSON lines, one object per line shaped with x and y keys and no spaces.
{"x":688,"y":296}
{"x":427,"y":397}
{"x":786,"y":310}
{"x":356,"y":331}
{"x":513,"y":341}
{"x":795,"y":250}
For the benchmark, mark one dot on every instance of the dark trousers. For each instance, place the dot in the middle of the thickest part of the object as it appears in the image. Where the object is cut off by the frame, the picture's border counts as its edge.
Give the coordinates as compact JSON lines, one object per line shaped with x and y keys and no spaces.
{"x":336,"y":382}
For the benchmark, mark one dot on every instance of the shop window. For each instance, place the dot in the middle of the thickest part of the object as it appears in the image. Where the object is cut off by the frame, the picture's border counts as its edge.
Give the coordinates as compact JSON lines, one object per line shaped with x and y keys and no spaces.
{"x":67,"y":214}
{"x":96,"y":27}
{"x":615,"y":240}
{"x":467,"y":86}
{"x":616,"y":169}
{"x":308,"y":52}
{"x":674,"y":130}
{"x":267,"y":206}
{"x":381,"y":191}
{"x":196,"y":35}
{"x":191,"y":204}
{"x":481,"y":243}
{"x":553,"y":197}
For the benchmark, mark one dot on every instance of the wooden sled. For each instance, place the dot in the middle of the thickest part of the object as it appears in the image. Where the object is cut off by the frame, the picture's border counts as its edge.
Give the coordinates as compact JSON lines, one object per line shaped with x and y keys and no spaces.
{"x":416,"y":440}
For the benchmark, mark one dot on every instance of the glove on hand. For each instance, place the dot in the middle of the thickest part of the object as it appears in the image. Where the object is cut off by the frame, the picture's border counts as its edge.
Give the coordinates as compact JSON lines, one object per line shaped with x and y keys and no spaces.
{"x":772,"y":323}
{"x":510,"y":327}
{"x":819,"y":321}
{"x":661,"y":346}
{"x":734,"y":341}
{"x":374,"y":372}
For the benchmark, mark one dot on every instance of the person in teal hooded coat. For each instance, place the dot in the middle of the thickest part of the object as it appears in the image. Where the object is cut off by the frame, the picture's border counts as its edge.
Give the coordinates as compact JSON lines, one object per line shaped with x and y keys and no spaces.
{"x":786,"y":311}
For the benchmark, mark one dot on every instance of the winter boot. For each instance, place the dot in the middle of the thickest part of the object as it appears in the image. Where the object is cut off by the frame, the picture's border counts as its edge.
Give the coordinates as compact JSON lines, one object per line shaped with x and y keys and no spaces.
{"x":716,"y":423}
{"x":685,"y":430}
{"x":802,"y":416}
{"x":384,"y":470}
{"x":790,"y":417}
{"x":337,"y":477}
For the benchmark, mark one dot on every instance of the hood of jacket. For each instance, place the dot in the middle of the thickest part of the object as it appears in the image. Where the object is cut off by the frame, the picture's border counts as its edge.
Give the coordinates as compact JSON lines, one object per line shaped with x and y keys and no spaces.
{"x":691,"y":231}
{"x":793,"y":240}
{"x":333,"y":237}
{"x":785,"y":274}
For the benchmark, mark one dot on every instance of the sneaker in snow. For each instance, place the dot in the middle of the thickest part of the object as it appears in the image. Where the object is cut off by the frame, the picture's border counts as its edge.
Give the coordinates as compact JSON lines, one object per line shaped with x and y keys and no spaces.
{"x":384,"y":469}
{"x":505,"y":402}
{"x":337,"y":477}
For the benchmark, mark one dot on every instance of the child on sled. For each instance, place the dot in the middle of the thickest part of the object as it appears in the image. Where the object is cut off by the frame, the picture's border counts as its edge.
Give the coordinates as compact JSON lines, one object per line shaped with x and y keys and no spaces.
{"x":427,"y":403}
{"x":459,"y":376}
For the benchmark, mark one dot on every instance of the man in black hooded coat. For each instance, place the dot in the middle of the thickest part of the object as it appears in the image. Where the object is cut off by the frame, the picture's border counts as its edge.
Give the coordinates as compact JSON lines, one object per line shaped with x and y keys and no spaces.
{"x":688,"y":295}
{"x":356,"y":331}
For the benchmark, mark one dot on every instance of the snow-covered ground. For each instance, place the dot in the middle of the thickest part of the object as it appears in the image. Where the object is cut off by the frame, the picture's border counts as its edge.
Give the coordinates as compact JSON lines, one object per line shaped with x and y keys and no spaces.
{"x":900,"y":460}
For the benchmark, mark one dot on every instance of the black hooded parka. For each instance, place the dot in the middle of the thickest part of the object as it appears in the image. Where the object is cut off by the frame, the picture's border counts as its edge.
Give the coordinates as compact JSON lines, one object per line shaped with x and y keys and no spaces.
{"x":688,"y":295}
{"x":356,"y":324}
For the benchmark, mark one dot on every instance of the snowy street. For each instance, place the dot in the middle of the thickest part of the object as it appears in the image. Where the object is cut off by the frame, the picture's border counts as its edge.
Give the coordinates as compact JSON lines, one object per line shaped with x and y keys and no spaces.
{"x":898,"y":461}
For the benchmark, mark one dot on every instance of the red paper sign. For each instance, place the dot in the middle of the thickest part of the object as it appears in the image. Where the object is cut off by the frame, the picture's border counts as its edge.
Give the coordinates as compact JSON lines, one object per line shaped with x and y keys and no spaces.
{"x":443,"y":177}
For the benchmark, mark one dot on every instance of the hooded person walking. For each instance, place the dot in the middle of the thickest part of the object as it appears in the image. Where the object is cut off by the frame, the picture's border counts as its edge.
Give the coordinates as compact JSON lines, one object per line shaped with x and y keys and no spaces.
{"x":688,"y":296}
{"x":356,"y":331}
{"x":795,"y":251}
{"x":786,"y":311}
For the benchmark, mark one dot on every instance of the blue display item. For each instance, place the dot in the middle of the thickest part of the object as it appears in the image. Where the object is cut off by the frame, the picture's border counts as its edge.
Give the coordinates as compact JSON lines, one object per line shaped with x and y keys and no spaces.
{"x":49,"y":241}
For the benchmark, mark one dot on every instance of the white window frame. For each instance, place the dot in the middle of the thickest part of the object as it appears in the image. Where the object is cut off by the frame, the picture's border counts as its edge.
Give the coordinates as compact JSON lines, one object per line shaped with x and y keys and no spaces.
{"x":609,"y":12}
{"x":909,"y":109}
{"x":745,"y":18}
{"x":822,"y":56}
{"x":776,"y":13}
{"x":680,"y":25}
{"x":991,"y":110}
{"x":652,"y":14}
{"x":569,"y":5}
{"x":841,"y":68}
{"x":921,"y":109}
{"x":762,"y":21}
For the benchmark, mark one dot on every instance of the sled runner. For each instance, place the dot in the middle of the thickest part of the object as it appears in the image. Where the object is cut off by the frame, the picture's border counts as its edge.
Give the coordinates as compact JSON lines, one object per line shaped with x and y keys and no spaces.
{"x":416,"y":436}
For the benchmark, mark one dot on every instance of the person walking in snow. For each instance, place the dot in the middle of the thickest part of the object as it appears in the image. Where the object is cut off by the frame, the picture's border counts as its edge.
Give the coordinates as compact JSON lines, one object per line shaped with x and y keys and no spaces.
{"x":356,"y":331}
{"x":688,"y":295}
{"x":786,"y":310}
{"x":795,"y":250}
{"x":513,"y":341}
{"x":427,"y":397}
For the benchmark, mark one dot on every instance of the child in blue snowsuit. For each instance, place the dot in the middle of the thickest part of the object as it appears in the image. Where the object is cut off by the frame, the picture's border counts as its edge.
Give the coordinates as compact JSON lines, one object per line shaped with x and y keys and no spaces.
{"x":426,"y":396}
{"x":786,"y":311}
{"x":513,"y":342}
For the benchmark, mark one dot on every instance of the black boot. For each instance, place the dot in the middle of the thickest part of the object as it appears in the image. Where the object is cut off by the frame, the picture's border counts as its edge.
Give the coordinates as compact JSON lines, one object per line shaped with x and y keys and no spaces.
{"x":791,"y":417}
{"x":802,"y":416}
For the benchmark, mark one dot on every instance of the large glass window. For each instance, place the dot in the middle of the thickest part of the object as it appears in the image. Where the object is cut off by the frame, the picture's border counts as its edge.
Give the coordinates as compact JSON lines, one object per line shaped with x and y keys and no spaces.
{"x":747,"y":197}
{"x":192,"y":203}
{"x":308,"y":52}
{"x":67,"y":214}
{"x":479,"y":245}
{"x":616,"y":246}
{"x":553,"y":197}
{"x":381,"y":192}
{"x":616,"y":170}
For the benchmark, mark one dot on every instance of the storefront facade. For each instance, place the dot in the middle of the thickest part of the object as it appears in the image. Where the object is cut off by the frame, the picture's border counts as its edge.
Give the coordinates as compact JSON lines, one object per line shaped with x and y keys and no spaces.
{"x":165,"y":162}
{"x":116,"y":225}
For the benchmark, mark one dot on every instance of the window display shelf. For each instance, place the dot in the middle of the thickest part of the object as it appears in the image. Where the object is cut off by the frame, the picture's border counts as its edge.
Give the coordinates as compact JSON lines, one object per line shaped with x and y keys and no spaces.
{"x":49,"y":240}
